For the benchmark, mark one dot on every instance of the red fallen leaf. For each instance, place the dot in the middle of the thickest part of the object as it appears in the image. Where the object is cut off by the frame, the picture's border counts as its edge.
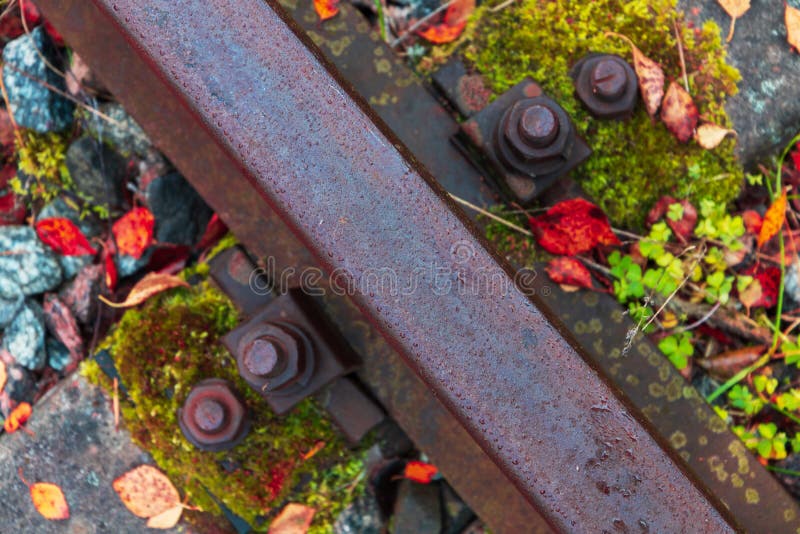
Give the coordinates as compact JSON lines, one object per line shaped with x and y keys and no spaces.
{"x":795,"y":154}
{"x":58,"y":40}
{"x":31,"y":13}
{"x":769,"y":278}
{"x":62,"y":325}
{"x":684,"y":226}
{"x":679,"y":112}
{"x":215,"y":230}
{"x":17,"y":417}
{"x":420,"y":472}
{"x":110,"y":271}
{"x":773,"y":220}
{"x":169,"y":259}
{"x":569,"y":271}
{"x":727,"y":364}
{"x":752,"y":221}
{"x":453,"y":23}
{"x":133,"y":232}
{"x":12,"y":209}
{"x":571,"y":227}
{"x":326,"y":8}
{"x":63,"y":236}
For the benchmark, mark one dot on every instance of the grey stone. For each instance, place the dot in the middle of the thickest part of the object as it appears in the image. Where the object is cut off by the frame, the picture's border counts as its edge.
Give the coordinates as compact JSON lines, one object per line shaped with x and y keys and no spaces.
{"x":11,"y":299}
{"x":24,"y":337}
{"x":20,"y":387}
{"x":181,"y":214}
{"x":27,"y":262}
{"x":33,"y":105}
{"x":59,"y":207}
{"x":77,"y":448}
{"x":71,"y":265}
{"x":791,"y":282}
{"x":98,"y":171}
{"x":128,"y":265}
{"x":80,"y":294}
{"x":58,"y":356}
{"x":417,"y":509}
{"x":766,"y":111}
{"x":361,"y":517}
{"x":124,"y":135}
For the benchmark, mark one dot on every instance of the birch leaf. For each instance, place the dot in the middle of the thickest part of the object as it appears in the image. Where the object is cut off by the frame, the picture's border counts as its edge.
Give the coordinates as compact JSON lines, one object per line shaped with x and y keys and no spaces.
{"x":152,"y":284}
{"x":146,"y":491}
{"x":49,"y":501}
{"x":650,"y":75}
{"x":709,"y":136}
{"x":166,"y":519}
{"x":734,"y":9}
{"x":792,"y":18}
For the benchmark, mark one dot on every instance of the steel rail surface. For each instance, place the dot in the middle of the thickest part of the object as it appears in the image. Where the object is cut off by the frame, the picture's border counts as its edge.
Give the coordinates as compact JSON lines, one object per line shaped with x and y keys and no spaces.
{"x":246,"y":76}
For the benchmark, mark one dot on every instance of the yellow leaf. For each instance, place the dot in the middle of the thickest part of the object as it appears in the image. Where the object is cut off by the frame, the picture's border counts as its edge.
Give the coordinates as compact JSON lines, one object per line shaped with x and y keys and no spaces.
{"x":792,"y":18}
{"x":709,"y":136}
{"x":49,"y":501}
{"x":650,"y":75}
{"x":293,"y":519}
{"x":146,"y":491}
{"x":152,"y":284}
{"x":734,"y":9}
{"x":773,"y":220}
{"x":166,"y":519}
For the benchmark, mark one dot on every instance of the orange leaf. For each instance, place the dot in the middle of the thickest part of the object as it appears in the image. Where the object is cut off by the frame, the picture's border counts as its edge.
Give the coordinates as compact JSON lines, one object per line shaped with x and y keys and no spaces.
{"x":571,"y":227}
{"x":420,"y":471}
{"x":318,"y":446}
{"x":293,"y":519}
{"x":734,"y":9}
{"x":569,"y":271}
{"x":679,"y":112}
{"x":773,"y":220}
{"x":453,"y":23}
{"x":133,"y":232}
{"x":326,"y":8}
{"x":752,"y":221}
{"x":146,"y":491}
{"x":63,"y":236}
{"x":17,"y":417}
{"x":792,"y":19}
{"x":110,"y":271}
{"x":3,"y":375}
{"x":49,"y":501}
{"x":166,"y":519}
{"x":152,"y":284}
{"x":458,"y":12}
{"x":650,"y":75}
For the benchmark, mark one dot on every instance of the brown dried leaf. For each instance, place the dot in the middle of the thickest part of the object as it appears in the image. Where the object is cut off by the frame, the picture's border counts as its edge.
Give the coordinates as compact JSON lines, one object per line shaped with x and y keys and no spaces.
{"x":293,"y":519}
{"x":727,"y":364}
{"x":651,"y":77}
{"x":49,"y":501}
{"x":734,"y":9}
{"x":679,"y":112}
{"x":792,"y":19}
{"x":152,"y":284}
{"x":3,"y":375}
{"x":166,"y":519}
{"x":751,"y":295}
{"x":709,"y":136}
{"x":146,"y":491}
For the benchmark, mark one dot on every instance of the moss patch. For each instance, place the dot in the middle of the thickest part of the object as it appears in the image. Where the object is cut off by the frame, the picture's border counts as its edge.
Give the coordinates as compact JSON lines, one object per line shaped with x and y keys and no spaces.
{"x":161,"y":349}
{"x":635,"y":162}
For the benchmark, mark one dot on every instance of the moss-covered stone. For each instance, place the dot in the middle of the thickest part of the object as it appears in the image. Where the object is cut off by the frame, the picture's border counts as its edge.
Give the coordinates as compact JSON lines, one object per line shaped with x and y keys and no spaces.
{"x":634,"y":162}
{"x":161,"y":349}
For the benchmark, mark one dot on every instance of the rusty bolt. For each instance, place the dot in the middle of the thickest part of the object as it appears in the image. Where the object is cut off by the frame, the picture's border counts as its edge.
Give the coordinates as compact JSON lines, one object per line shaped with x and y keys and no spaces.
{"x":275,"y":358}
{"x":534,"y":137}
{"x":213,"y":416}
{"x":606,"y":84}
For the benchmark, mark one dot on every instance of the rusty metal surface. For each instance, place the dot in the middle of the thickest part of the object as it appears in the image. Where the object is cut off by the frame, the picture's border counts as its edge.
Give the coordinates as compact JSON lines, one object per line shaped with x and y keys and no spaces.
{"x":214,"y":417}
{"x":350,"y":409}
{"x":219,"y":179}
{"x":348,"y":189}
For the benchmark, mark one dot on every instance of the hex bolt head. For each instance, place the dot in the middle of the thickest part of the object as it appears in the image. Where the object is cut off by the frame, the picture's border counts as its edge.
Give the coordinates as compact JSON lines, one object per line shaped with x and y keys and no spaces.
{"x":609,"y":80}
{"x":538,"y":125}
{"x":264,"y":356}
{"x":606,"y":84}
{"x":213,"y":416}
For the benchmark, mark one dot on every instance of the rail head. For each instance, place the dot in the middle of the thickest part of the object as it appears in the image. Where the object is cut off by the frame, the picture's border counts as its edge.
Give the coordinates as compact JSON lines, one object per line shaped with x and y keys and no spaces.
{"x":354,"y":196}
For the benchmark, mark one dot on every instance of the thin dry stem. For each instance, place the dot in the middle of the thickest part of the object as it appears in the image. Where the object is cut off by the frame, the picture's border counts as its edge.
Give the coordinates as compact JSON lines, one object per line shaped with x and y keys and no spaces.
{"x":491,"y":215}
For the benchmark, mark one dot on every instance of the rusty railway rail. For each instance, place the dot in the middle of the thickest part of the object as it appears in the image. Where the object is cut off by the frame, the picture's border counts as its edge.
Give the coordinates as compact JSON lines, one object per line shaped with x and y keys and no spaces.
{"x":237,"y":95}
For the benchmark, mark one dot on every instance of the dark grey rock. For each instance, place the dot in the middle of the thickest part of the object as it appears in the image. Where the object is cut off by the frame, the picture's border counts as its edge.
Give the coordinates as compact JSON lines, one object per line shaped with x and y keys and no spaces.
{"x":20,"y":387}
{"x":77,"y":448}
{"x":181,"y":214}
{"x":417,"y":509}
{"x":361,"y":517}
{"x":59,"y":207}
{"x":27,"y":262}
{"x":71,"y":265}
{"x":98,"y":171}
{"x":11,"y":299}
{"x":24,"y":337}
{"x":33,"y":105}
{"x":58,"y":356}
{"x":125,"y":135}
{"x":766,"y":111}
{"x":80,"y":294}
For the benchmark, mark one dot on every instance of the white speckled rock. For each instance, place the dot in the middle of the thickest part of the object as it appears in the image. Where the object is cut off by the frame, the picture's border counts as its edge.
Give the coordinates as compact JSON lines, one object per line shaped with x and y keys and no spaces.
{"x":27,"y":262}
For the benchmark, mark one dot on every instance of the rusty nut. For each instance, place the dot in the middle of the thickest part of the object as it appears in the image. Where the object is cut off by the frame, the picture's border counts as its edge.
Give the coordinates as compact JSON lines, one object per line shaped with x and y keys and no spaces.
{"x":607,"y":85}
{"x":275,"y":358}
{"x":534,"y":137}
{"x":213,"y":416}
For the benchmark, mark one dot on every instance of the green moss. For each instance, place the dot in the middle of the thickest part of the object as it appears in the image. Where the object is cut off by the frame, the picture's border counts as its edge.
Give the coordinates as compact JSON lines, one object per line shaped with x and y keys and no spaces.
{"x":171,"y":342}
{"x":634,"y":162}
{"x":42,"y":158}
